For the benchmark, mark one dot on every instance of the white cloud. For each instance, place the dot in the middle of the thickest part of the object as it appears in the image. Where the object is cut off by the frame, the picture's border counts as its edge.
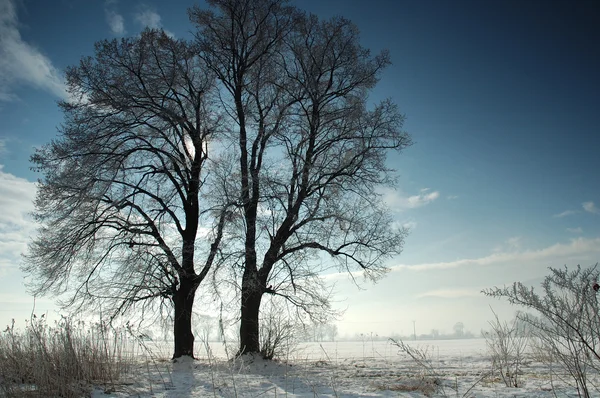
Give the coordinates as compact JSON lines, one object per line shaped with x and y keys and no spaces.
{"x":578,"y":248}
{"x":409,"y":225}
{"x":452,"y":197}
{"x":147,"y":17}
{"x":510,"y":245}
{"x":400,"y":202}
{"x":20,"y":62}
{"x":115,"y":21}
{"x":16,"y":201}
{"x":441,"y":293}
{"x":590,"y":207}
{"x":577,"y":230}
{"x":422,"y":199}
{"x":565,"y":213}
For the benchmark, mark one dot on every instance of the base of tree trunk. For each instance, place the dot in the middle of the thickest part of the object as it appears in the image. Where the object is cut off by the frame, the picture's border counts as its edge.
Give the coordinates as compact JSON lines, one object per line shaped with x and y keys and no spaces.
{"x":183,"y":301}
{"x":249,"y":324}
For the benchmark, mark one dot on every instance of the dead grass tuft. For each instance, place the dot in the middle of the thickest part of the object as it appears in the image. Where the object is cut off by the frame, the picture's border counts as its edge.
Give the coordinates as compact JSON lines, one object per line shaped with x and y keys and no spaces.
{"x":64,"y":360}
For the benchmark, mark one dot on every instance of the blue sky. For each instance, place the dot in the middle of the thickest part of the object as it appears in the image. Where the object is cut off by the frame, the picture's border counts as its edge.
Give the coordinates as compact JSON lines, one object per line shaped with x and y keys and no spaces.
{"x":501,"y":97}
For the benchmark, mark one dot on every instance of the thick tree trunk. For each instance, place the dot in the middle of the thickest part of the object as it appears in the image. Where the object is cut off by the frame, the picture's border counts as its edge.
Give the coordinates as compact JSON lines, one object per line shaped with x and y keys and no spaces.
{"x":249,"y":325}
{"x":183,"y":300}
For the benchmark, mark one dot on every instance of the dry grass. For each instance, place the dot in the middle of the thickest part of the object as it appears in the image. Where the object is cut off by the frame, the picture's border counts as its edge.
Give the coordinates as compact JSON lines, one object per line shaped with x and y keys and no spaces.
{"x":64,"y":360}
{"x":425,"y":386}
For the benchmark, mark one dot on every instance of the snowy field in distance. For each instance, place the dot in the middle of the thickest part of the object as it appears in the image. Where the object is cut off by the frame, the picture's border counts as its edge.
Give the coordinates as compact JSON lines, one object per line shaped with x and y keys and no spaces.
{"x":336,"y":369}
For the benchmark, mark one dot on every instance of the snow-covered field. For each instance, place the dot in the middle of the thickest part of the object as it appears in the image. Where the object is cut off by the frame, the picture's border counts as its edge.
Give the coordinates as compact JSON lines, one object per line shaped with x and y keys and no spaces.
{"x":458,"y":368}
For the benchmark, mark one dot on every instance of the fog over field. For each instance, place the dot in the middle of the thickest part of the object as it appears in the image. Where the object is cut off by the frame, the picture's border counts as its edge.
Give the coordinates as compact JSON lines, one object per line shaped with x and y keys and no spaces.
{"x":344,"y":369}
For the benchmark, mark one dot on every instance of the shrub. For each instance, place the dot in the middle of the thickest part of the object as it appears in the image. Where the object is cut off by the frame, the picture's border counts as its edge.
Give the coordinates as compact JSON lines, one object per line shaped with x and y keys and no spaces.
{"x":568,"y":326}
{"x":277,"y":333}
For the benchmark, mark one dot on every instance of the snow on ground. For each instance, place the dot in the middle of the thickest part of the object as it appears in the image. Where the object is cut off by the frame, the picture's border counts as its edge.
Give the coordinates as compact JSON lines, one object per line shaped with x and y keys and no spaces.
{"x":340,"y":369}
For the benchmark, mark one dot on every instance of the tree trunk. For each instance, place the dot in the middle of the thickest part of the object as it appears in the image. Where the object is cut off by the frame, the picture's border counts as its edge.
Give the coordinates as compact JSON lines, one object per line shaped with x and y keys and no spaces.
{"x":183,"y":300}
{"x":249,"y":325}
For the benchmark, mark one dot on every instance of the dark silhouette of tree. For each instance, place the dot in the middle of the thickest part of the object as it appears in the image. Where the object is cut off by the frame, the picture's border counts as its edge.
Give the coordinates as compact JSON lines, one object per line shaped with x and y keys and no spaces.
{"x":311,"y":153}
{"x":120,"y":199}
{"x":134,"y":212}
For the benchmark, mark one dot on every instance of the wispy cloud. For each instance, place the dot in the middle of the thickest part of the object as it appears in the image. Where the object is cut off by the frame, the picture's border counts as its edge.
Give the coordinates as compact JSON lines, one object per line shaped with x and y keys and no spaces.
{"x":422,"y":199}
{"x":577,"y":230}
{"x":409,"y":225}
{"x":510,"y":245}
{"x":514,"y":243}
{"x":148,"y":17}
{"x":565,"y":213}
{"x":115,"y":21}
{"x":576,"y":248}
{"x":590,"y":207}
{"x":20,"y":62}
{"x":397,"y":201}
{"x":452,"y":197}
{"x":16,"y":201}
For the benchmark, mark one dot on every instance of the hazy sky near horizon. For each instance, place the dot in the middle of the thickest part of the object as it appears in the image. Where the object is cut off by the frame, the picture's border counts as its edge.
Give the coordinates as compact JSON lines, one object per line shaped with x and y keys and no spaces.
{"x":502,"y":99}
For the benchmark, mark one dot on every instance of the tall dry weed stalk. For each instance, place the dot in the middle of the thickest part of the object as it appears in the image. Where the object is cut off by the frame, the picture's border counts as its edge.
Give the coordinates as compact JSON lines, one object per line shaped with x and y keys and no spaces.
{"x":64,"y":360}
{"x":507,"y":345}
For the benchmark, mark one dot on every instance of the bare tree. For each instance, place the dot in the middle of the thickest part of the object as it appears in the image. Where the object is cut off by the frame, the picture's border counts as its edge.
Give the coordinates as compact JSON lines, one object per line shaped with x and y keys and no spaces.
{"x":311,"y":154}
{"x":279,"y":330}
{"x":568,"y":326}
{"x":120,"y":200}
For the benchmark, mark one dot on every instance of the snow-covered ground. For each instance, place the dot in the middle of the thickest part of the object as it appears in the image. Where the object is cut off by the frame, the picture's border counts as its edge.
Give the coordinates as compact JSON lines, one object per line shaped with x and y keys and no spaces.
{"x":458,"y":368}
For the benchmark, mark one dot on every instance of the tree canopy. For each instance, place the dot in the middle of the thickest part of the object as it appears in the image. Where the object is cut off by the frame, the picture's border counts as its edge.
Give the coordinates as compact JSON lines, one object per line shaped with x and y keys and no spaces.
{"x":252,"y":146}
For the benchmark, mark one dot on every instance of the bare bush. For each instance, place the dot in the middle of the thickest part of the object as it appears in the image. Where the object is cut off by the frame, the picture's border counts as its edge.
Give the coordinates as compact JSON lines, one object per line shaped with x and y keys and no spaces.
{"x":507,"y":344}
{"x":567,"y":329}
{"x":278,"y":333}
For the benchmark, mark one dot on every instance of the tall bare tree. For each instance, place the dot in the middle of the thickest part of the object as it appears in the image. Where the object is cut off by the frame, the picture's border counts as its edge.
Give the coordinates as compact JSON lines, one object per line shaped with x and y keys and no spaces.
{"x":311,"y":153}
{"x":121,"y":199}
